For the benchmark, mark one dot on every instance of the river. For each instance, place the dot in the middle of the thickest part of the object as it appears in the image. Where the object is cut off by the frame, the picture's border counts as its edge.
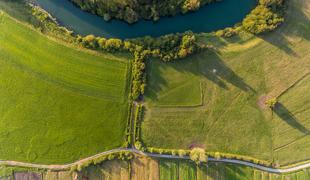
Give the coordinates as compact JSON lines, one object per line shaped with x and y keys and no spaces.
{"x":209,"y":18}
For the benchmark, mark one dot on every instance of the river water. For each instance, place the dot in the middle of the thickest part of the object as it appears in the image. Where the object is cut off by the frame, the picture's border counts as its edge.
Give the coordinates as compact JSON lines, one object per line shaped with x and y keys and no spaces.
{"x":209,"y":18}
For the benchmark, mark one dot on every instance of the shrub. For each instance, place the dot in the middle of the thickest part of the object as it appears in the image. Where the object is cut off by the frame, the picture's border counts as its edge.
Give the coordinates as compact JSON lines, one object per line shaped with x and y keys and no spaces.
{"x":271,"y":103}
{"x":217,"y":155}
{"x":138,"y":145}
{"x":181,"y":152}
{"x":198,"y":155}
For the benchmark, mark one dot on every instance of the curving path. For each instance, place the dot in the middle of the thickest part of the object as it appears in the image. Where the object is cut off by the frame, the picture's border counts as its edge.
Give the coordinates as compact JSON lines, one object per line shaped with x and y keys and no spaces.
{"x":233,"y":161}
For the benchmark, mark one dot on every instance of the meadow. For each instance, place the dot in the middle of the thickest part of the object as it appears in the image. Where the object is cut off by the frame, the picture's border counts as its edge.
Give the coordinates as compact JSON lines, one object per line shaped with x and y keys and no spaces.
{"x":215,"y":99}
{"x":58,"y":102}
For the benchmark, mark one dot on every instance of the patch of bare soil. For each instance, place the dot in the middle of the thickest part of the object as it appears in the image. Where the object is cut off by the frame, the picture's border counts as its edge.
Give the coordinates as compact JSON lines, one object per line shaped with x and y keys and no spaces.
{"x":144,"y":168}
{"x":261,"y":101}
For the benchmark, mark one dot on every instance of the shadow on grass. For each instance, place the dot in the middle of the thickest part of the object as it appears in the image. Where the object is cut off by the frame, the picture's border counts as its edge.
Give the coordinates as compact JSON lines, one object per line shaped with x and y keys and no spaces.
{"x":282,"y":112}
{"x":207,"y":64}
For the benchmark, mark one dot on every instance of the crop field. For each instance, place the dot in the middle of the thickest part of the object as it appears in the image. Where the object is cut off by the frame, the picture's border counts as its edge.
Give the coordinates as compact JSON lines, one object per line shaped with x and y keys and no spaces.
{"x":168,"y":170}
{"x":216,"y":99}
{"x":58,"y":103}
{"x":115,"y":169}
{"x":217,"y":171}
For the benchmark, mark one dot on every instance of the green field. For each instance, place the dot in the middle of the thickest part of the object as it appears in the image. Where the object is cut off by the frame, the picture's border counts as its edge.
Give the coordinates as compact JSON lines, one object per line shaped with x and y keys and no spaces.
{"x":58,"y":103}
{"x":217,"y":171}
{"x":293,"y":114}
{"x":214,"y":98}
{"x":169,"y":170}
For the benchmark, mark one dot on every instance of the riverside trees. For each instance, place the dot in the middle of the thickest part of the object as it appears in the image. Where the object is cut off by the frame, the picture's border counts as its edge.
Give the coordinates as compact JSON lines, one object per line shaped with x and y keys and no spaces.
{"x":132,"y":10}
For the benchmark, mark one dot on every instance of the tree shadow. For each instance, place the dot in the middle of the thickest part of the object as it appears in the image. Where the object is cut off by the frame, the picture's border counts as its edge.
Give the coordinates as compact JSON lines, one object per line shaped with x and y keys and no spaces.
{"x":281,"y":111}
{"x":281,"y":42}
{"x":206,"y":64}
{"x":219,"y":73}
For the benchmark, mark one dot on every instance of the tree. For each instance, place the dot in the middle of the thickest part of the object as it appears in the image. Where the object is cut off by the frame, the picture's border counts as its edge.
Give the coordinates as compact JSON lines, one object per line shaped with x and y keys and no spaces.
{"x":198,"y":155}
{"x":271,"y":103}
{"x":102,"y":43}
{"x":261,"y":19}
{"x":113,"y":44}
{"x":90,"y":41}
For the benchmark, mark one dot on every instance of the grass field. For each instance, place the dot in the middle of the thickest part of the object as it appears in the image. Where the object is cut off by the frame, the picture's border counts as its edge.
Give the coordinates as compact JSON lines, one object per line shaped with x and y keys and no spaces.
{"x":57,"y":103}
{"x":296,"y":114}
{"x":213,"y":99}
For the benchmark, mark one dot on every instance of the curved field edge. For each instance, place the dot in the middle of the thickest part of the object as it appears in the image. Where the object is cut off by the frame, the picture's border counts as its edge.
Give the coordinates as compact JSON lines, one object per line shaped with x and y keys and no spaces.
{"x":241,"y":71}
{"x":58,"y":103}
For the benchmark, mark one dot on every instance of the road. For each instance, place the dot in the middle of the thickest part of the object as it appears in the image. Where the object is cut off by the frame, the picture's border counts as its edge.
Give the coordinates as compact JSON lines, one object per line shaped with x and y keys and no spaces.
{"x":233,"y":161}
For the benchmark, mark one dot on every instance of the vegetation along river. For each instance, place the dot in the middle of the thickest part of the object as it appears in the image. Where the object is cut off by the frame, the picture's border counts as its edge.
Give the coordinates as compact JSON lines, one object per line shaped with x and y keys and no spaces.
{"x":209,"y":18}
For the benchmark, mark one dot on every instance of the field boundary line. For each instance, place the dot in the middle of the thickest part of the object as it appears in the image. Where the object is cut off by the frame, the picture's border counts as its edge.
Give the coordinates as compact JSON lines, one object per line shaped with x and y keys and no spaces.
{"x":289,"y":168}
{"x":294,"y":84}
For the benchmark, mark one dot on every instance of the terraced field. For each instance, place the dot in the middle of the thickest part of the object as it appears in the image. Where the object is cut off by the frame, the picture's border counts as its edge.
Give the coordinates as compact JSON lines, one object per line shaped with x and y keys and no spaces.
{"x":58,"y":103}
{"x":216,"y":99}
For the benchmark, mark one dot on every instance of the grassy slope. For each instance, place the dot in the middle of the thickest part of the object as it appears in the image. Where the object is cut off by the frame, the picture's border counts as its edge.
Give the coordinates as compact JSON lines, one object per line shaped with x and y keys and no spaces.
{"x":57,"y":104}
{"x":230,"y":119}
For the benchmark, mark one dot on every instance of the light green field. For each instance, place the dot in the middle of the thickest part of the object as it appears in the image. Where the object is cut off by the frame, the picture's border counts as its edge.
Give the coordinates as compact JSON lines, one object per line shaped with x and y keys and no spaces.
{"x":58,"y":103}
{"x":234,"y":80}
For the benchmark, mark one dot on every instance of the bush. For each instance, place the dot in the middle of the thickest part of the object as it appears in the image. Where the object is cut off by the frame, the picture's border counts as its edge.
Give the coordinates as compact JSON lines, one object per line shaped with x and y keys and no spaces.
{"x":217,"y":155}
{"x":271,"y":103}
{"x":181,"y":152}
{"x":198,"y":155}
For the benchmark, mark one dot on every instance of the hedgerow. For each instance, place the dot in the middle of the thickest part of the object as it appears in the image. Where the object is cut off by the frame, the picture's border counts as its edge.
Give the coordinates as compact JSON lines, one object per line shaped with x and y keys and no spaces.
{"x":122,"y":155}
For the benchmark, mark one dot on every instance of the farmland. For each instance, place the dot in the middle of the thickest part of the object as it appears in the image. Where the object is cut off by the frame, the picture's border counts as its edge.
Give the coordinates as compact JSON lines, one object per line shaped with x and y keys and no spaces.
{"x":66,"y":97}
{"x":215,"y":99}
{"x":161,"y":169}
{"x":58,"y":103}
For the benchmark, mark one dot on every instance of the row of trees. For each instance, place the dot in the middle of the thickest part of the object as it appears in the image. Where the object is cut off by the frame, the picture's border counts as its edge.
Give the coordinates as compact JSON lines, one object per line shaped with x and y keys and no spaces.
{"x":123,"y":155}
{"x":132,"y":10}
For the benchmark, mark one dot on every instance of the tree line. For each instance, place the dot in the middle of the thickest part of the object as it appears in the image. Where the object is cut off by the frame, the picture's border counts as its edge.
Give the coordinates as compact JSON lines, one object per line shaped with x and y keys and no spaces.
{"x":133,"y":10}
